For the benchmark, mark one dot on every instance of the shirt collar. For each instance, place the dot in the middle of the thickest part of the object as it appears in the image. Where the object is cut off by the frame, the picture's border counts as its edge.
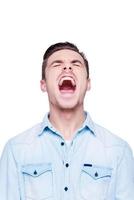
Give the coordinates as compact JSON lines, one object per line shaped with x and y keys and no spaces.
{"x":88,"y":123}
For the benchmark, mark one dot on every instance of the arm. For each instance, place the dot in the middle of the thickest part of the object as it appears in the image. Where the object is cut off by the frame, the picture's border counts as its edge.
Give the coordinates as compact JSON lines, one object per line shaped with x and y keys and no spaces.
{"x":125,"y":176}
{"x":9,"y":187}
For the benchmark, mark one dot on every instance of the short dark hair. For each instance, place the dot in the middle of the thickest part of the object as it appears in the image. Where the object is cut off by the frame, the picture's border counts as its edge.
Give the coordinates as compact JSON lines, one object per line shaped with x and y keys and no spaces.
{"x":59,"y":46}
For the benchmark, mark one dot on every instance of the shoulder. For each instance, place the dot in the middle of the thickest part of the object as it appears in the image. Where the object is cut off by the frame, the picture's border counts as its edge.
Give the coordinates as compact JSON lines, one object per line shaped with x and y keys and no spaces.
{"x":108,"y":138}
{"x":115,"y":146}
{"x":28,"y":136}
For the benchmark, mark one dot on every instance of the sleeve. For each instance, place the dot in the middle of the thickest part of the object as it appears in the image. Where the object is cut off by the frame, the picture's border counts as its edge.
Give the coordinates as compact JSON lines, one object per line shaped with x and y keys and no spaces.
{"x":125,"y":176}
{"x":9,"y":187}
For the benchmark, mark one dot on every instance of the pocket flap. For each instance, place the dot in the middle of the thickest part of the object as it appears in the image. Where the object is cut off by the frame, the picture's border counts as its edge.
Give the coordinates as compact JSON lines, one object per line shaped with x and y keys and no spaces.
{"x":97,"y":172}
{"x":36,"y":169}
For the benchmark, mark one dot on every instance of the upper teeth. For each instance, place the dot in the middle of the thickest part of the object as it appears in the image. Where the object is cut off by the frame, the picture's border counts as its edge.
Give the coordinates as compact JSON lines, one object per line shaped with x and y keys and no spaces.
{"x":67,"y":78}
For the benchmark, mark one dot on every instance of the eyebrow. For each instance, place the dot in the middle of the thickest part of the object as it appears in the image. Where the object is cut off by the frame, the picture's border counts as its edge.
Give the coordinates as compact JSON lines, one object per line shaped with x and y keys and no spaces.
{"x":60,"y":62}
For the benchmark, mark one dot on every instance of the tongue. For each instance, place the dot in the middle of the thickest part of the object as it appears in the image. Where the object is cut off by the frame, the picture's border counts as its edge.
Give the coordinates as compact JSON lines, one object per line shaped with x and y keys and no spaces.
{"x":66,"y":88}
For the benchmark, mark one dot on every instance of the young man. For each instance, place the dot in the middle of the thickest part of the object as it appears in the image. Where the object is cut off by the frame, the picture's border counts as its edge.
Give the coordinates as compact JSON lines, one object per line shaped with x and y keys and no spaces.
{"x":67,"y":156}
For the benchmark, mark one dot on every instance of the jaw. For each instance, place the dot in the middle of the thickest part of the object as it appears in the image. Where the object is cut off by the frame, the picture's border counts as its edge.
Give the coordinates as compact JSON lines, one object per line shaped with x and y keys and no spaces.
{"x":72,"y":99}
{"x":67,"y":99}
{"x":66,"y":104}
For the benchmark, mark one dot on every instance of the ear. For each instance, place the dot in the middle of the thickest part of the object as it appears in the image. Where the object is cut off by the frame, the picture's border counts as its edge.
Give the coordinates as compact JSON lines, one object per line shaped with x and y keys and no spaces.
{"x":43,"y":85}
{"x":88,"y":84}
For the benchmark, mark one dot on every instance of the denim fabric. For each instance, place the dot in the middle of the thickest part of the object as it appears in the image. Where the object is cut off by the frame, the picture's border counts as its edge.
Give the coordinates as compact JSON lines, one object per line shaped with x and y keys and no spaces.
{"x":39,"y":165}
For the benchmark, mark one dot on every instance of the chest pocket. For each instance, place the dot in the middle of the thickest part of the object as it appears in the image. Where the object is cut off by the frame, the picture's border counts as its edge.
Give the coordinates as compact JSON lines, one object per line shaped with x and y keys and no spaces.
{"x":94,"y":182}
{"x":38,"y":181}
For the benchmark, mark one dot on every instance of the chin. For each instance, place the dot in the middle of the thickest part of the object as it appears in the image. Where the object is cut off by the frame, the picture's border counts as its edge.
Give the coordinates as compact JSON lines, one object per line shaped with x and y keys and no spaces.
{"x":68,"y":106}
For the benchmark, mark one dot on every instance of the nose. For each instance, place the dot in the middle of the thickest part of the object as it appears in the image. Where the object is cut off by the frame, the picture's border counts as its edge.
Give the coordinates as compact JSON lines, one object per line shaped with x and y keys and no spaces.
{"x":67,"y":68}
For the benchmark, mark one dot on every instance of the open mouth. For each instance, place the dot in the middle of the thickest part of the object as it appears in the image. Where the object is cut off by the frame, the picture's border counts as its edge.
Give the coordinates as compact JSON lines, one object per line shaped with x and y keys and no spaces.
{"x":67,"y":85}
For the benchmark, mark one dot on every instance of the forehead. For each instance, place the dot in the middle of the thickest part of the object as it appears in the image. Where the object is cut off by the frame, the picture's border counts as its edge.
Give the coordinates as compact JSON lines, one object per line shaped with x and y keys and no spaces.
{"x":65,"y":55}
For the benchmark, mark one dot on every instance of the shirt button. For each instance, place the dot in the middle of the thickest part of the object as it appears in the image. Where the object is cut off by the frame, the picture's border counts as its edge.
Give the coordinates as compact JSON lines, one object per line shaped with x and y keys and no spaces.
{"x":66,"y":188}
{"x":35,"y":172}
{"x":62,"y":143}
{"x":96,"y":174}
{"x":67,"y":165}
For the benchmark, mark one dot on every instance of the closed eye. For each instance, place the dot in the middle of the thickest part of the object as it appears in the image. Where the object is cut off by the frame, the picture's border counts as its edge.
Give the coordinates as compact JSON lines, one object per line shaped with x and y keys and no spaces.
{"x":56,"y":65}
{"x":77,"y":63}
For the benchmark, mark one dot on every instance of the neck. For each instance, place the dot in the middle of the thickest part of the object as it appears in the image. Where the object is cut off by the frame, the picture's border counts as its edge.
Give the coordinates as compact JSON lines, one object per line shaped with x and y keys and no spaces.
{"x":67,"y":121}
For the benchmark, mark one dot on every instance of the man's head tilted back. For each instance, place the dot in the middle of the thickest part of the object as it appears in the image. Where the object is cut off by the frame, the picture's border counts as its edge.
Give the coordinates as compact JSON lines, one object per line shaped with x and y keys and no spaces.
{"x":65,"y":76}
{"x":60,"y":46}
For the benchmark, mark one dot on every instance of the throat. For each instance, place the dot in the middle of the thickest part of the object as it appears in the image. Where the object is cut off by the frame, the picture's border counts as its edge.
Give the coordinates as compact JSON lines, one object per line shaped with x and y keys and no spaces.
{"x":67,"y":122}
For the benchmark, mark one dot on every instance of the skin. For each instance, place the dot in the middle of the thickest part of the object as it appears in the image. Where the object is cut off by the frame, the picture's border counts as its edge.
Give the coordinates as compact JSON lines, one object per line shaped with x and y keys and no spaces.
{"x":66,"y":109}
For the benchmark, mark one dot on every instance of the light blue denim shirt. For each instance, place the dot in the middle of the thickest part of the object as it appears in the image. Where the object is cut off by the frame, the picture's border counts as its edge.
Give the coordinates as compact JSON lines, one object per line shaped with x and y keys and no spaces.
{"x":39,"y":165}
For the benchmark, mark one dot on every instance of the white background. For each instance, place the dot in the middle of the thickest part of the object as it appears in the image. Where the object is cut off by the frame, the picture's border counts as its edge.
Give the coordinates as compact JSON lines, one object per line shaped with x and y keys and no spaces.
{"x":104,"y":30}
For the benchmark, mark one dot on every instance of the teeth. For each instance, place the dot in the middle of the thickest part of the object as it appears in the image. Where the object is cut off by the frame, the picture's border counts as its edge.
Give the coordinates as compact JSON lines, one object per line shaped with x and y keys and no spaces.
{"x":67,"y":78}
